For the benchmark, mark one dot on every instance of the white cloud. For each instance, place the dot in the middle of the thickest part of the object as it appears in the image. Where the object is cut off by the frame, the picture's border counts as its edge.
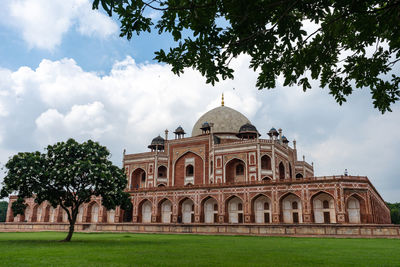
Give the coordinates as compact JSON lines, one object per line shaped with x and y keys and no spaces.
{"x":135,"y":102}
{"x":43,"y":23}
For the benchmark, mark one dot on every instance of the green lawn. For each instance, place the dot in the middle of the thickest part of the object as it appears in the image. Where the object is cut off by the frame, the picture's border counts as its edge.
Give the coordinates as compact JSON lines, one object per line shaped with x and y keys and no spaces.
{"x":106,"y":249}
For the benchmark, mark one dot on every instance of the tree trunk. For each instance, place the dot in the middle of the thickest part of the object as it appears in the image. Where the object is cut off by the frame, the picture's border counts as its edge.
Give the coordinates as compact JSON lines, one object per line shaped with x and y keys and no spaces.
{"x":70,"y":232}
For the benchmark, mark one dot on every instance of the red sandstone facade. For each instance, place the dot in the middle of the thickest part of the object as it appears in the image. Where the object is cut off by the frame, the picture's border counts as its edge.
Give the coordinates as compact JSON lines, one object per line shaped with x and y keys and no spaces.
{"x":226,"y":174}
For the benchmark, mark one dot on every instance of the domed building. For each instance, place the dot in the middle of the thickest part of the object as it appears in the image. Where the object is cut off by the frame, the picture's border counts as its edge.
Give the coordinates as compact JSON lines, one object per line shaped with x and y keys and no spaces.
{"x":225,"y":173}
{"x":225,"y":176}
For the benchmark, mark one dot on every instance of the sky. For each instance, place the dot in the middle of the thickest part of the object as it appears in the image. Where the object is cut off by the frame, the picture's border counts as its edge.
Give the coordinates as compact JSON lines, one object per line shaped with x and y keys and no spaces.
{"x":65,"y":72}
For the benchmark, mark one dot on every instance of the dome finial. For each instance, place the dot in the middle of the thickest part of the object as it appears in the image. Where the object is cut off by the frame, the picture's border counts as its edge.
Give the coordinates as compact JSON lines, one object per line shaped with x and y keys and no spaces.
{"x":222,"y":102}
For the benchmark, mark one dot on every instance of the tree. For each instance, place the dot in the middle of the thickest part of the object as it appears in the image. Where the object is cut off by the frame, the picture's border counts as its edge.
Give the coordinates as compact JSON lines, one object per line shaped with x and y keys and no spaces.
{"x":356,"y":43}
{"x":68,"y":175}
{"x":394,"y":212}
{"x":3,"y":210}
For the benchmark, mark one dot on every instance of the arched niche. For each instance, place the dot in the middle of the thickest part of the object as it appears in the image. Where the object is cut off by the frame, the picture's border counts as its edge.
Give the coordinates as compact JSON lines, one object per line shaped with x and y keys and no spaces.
{"x":265,"y":162}
{"x":138,"y":179}
{"x":235,"y":171}
{"x":234,"y":206}
{"x":209,"y":210}
{"x":261,"y":208}
{"x":186,"y":211}
{"x":291,"y":209}
{"x":165,"y":210}
{"x":323,"y":208}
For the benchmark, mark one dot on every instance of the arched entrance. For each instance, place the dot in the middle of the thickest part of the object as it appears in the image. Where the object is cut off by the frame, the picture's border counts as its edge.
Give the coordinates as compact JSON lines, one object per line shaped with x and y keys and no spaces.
{"x":187,"y":211}
{"x":34,"y":217}
{"x":291,"y":209}
{"x":262,"y":209}
{"x":46,"y":213}
{"x":353,"y":210}
{"x":64,"y":216}
{"x":165,"y":208}
{"x":235,"y":210}
{"x":235,"y":171}
{"x":188,"y":169}
{"x":138,"y":179}
{"x":28,"y":214}
{"x":79,"y":217}
{"x":210,"y":210}
{"x":93,"y":212}
{"x":111,"y":216}
{"x":324,"y":208}
{"x":145,"y":210}
{"x":52,"y":216}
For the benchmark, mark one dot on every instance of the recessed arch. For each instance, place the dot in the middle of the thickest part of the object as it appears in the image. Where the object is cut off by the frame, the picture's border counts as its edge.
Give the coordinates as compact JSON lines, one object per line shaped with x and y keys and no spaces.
{"x":266,"y":162}
{"x":34,"y":217}
{"x":235,"y":170}
{"x":46,"y":212}
{"x":291,"y":208}
{"x":164,"y":210}
{"x":93,"y":209}
{"x":28,"y":214}
{"x":138,"y":178}
{"x":145,"y":208}
{"x":281,"y":168}
{"x":266,"y":179}
{"x":209,"y":210}
{"x":79,"y":217}
{"x":356,"y":209}
{"x":323,"y":207}
{"x":299,"y":176}
{"x":186,"y":210}
{"x":261,"y":206}
{"x":162,"y":171}
{"x":180,"y":169}
{"x":234,"y":209}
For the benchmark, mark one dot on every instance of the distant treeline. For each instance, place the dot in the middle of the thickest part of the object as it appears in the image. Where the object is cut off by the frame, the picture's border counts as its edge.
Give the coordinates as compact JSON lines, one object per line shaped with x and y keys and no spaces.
{"x":394,"y":212}
{"x":3,"y":210}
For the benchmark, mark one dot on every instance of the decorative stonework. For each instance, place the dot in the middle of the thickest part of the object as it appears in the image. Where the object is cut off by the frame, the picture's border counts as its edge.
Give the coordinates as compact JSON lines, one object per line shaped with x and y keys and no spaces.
{"x":178,"y":152}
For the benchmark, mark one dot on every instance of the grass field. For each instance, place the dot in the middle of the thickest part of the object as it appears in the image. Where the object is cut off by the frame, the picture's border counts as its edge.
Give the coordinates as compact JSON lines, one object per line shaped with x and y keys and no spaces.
{"x":106,"y":249}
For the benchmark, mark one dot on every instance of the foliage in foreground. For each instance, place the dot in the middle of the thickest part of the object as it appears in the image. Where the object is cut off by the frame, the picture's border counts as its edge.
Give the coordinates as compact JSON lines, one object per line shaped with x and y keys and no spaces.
{"x":355,"y":43}
{"x":68,"y":174}
{"x":124,"y":249}
{"x":394,"y":212}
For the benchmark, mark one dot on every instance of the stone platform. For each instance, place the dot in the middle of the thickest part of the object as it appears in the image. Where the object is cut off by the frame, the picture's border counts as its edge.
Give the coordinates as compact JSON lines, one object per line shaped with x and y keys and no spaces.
{"x":315,"y":230}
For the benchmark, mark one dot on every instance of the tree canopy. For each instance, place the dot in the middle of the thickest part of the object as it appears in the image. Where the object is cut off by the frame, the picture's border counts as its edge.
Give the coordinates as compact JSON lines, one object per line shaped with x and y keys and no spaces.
{"x":68,"y":174}
{"x":3,"y":210}
{"x":394,"y":212}
{"x":356,"y":44}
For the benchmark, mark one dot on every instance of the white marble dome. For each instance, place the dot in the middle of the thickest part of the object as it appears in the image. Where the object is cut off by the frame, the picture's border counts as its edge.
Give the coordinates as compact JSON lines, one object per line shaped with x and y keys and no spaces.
{"x":226,"y":120}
